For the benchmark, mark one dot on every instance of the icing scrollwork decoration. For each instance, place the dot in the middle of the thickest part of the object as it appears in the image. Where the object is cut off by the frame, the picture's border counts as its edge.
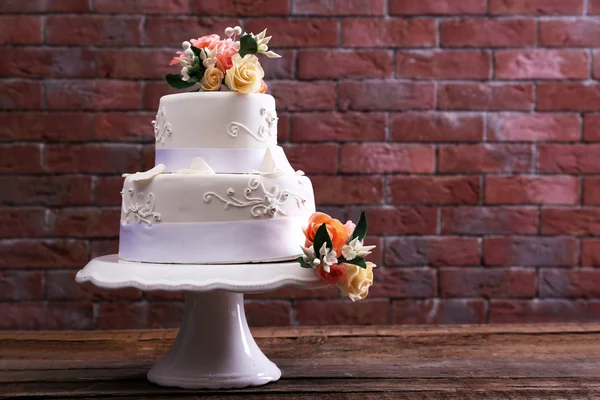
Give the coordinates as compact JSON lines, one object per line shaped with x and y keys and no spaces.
{"x":141,"y":211}
{"x":265,"y":131}
{"x":269,"y":205}
{"x":161,"y":127}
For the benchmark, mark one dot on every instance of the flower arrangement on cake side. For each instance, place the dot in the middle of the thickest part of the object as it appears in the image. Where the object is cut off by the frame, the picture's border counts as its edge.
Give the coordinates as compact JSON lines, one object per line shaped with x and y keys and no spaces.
{"x":337,"y":254}
{"x":213,"y":63}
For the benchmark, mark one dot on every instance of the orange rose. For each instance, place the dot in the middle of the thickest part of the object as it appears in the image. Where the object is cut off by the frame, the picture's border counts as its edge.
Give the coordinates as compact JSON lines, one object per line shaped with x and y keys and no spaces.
{"x":334,"y":276}
{"x":337,"y":231}
{"x":263,"y":87}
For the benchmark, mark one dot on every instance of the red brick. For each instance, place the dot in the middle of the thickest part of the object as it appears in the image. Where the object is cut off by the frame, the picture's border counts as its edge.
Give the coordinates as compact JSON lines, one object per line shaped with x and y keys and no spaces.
{"x":93,"y":95}
{"x":12,"y":32}
{"x":443,"y":64}
{"x":435,"y":251}
{"x":153,"y":91}
{"x":572,"y":96}
{"x":336,"y":312}
{"x":20,"y":95}
{"x":439,"y":311}
{"x":381,"y":158}
{"x":94,"y":30}
{"x":315,"y":95}
{"x":401,"y":283}
{"x":591,"y":190}
{"x":20,"y":158}
{"x":513,"y":127}
{"x":436,"y":7}
{"x":26,"y":62}
{"x":280,"y":68}
{"x":84,"y":222}
{"x":22,"y":222}
{"x":268,"y":313}
{"x":165,"y":315}
{"x":291,"y":292}
{"x":313,"y":158}
{"x":396,"y":32}
{"x":485,"y":96}
{"x":142,"y":6}
{"x":434,"y":190}
{"x":591,"y":127}
{"x":135,"y":63}
{"x":297,"y":32}
{"x":486,"y":32}
{"x":540,"y":311}
{"x":43,"y":253}
{"x":530,"y":251}
{"x":536,"y":7}
{"x":102,"y":247}
{"x":437,"y":127}
{"x":339,"y":127}
{"x":53,"y":127}
{"x":593,"y":7}
{"x":347,"y":190}
{"x":485,"y":158}
{"x":124,"y":127}
{"x":148,"y":157}
{"x":61,"y":285}
{"x":344,"y":64}
{"x":386,"y":95}
{"x":283,"y":127}
{"x":21,"y":285}
{"x":402,"y":221}
{"x":590,"y":252}
{"x":240,"y":8}
{"x":46,"y":190}
{"x":339,"y":7}
{"x":489,"y":220}
{"x":171,"y":31}
{"x":541,"y":64}
{"x":39,"y":6}
{"x":105,"y":158}
{"x":570,"y":283}
{"x":487,"y":282}
{"x":570,"y":159}
{"x":574,"y":222}
{"x":107,"y":190}
{"x":582,"y":32}
{"x":123,"y":315}
{"x":527,"y":189}
{"x":38,"y":315}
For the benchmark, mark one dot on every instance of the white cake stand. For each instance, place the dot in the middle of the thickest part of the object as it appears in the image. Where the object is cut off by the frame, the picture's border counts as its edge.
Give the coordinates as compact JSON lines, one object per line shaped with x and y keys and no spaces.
{"x":214,"y":348}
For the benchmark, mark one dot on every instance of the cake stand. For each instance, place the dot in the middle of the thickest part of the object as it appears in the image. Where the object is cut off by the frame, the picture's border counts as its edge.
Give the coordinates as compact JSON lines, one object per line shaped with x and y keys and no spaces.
{"x":214,"y":348}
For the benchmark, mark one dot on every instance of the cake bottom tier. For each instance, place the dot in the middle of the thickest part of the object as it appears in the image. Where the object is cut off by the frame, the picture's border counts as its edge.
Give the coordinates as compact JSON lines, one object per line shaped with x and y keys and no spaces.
{"x":214,"y":219}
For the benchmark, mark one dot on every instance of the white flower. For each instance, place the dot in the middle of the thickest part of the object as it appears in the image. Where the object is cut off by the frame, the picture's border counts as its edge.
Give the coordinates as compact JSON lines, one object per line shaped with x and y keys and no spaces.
{"x":209,"y":57}
{"x":356,"y":249}
{"x":261,"y":41}
{"x":328,"y":257}
{"x":184,"y":74}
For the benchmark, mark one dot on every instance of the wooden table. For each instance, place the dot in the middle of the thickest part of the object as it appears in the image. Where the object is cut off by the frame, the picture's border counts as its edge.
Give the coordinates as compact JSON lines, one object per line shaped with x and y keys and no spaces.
{"x":414,"y":362}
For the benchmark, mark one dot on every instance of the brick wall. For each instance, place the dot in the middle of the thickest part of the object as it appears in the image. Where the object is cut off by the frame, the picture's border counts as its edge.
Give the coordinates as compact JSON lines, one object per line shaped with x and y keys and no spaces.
{"x":467,"y":129}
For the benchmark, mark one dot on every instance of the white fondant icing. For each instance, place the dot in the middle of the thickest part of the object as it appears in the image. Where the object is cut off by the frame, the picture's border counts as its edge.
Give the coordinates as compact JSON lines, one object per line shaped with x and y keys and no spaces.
{"x":199,"y":166}
{"x":221,"y":160}
{"x":141,"y":210}
{"x":162,"y":128}
{"x":142,"y":176}
{"x":275,"y":162}
{"x":269,"y":202}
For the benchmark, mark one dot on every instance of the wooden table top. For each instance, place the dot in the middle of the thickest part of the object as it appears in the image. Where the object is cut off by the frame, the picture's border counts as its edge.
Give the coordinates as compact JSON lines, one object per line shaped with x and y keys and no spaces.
{"x":414,"y":362}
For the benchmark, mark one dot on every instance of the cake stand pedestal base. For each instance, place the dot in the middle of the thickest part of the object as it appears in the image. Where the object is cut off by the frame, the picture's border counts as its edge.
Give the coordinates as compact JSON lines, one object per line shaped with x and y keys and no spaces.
{"x":214,"y":347}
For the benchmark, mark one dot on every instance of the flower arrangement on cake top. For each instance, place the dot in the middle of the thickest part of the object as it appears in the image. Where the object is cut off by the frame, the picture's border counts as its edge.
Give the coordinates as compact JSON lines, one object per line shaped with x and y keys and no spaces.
{"x":213,"y":62}
{"x":337,"y":254}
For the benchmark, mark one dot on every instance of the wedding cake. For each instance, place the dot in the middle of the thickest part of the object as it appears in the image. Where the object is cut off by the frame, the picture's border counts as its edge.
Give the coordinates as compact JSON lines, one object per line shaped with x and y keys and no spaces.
{"x":221,"y":191}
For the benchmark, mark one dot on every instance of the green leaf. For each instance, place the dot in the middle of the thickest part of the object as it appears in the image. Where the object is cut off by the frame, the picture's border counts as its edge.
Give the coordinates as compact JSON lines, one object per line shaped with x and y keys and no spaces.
{"x":196,"y":51}
{"x":248,"y":45}
{"x":357,"y":261}
{"x":303,"y":263}
{"x":177,"y":82}
{"x":361,"y":228}
{"x":322,"y":236}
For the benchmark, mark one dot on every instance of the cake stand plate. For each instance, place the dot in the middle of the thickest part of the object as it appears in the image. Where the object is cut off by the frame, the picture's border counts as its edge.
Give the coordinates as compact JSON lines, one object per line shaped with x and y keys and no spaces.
{"x":214,"y":348}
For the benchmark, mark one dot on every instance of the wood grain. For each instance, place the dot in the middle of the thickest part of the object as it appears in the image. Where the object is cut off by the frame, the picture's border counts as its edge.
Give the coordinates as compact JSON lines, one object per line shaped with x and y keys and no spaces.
{"x":511,"y":361}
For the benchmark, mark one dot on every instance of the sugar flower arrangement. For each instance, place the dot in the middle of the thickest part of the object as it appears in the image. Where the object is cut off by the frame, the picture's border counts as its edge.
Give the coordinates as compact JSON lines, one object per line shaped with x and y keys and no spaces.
{"x":212,"y":62}
{"x":337,"y":254}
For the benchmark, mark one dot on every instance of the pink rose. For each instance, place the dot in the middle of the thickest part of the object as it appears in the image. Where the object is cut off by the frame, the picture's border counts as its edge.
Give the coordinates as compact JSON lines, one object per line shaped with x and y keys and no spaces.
{"x":335,"y":275}
{"x":225,"y":52}
{"x":350,"y":227}
{"x":208,"y":41}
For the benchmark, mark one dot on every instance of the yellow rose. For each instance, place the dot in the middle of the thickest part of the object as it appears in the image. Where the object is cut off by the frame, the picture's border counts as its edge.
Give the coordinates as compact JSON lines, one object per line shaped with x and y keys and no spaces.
{"x":211,"y":80}
{"x":246,"y":74}
{"x":357,"y":281}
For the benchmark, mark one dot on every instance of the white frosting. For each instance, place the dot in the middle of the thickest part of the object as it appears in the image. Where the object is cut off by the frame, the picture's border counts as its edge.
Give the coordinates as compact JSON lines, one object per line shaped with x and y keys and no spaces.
{"x":199,"y":166}
{"x":264,"y":215}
